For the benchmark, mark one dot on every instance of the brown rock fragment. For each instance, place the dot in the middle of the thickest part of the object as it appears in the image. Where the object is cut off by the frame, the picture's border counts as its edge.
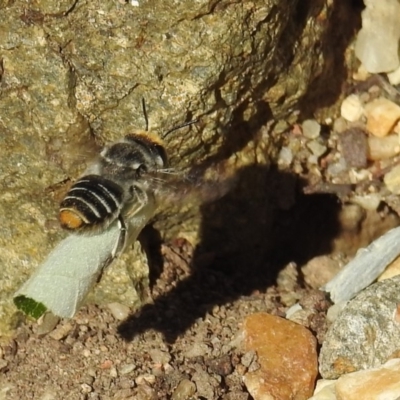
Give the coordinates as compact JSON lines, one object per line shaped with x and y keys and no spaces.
{"x":382,"y":115}
{"x":287,"y":357}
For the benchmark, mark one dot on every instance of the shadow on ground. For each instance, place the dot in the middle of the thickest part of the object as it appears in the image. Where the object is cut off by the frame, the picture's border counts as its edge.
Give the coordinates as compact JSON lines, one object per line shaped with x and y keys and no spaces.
{"x":248,"y":236}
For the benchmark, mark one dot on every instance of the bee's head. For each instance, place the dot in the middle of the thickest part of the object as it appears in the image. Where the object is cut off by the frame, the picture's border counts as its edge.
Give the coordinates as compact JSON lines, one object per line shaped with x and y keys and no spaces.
{"x":152,"y":151}
{"x":140,"y":152}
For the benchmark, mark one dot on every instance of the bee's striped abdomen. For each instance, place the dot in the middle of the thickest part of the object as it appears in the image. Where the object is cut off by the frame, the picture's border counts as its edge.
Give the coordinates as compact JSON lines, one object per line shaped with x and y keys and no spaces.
{"x":93,"y":202}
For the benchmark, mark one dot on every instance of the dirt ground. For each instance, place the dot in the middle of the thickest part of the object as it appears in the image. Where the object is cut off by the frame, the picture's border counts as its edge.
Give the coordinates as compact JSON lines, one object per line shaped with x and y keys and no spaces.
{"x":185,"y":343}
{"x":189,"y":333}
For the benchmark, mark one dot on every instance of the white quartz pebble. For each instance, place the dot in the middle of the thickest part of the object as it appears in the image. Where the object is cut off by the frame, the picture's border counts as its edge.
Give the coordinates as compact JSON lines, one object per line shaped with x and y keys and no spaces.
{"x":378,"y":383}
{"x":378,"y":41}
{"x":311,"y":128}
{"x":352,"y":108}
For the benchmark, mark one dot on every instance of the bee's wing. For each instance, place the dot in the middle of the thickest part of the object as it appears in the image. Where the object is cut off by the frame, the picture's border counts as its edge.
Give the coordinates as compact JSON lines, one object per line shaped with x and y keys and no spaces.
{"x":175,"y":188}
{"x":73,"y":156}
{"x":75,"y":151}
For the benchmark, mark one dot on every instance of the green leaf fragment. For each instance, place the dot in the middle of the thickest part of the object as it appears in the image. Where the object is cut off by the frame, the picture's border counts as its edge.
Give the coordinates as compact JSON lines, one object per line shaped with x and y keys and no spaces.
{"x":29,"y":306}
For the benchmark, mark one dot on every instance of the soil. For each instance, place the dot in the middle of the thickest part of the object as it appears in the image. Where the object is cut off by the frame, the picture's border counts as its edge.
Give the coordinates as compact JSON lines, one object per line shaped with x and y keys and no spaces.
{"x":189,"y":333}
{"x":183,"y":344}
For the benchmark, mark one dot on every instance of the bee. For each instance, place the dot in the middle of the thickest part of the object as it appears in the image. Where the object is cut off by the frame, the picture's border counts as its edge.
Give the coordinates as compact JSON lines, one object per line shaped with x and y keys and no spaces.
{"x":114,"y":185}
{"x":118,"y":184}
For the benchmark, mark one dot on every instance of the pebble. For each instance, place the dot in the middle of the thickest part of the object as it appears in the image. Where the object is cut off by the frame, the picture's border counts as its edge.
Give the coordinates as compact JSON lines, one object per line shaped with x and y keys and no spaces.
{"x":145,"y":379}
{"x":369,"y":201}
{"x":311,"y":128}
{"x":365,"y":334}
{"x":159,"y":357}
{"x":359,"y":175}
{"x":287,"y":357}
{"x":394,"y":77}
{"x":377,"y":42}
{"x":221,"y":366}
{"x":335,"y":310}
{"x":300,"y":316}
{"x":185,"y":390}
{"x":352,"y":108}
{"x":383,"y":148}
{"x":382,"y":115}
{"x":61,"y":331}
{"x":198,"y":349}
{"x":293,"y":310}
{"x":48,"y":322}
{"x":127,"y":369}
{"x":320,"y":270}
{"x":248,"y":358}
{"x":354,"y":147}
{"x":205,"y":384}
{"x":338,"y":167}
{"x":378,"y":383}
{"x":285,"y":156}
{"x":316,"y":148}
{"x":392,"y":180}
{"x":119,"y":311}
{"x":340,"y":125}
{"x":312,"y":160}
{"x":86,"y":388}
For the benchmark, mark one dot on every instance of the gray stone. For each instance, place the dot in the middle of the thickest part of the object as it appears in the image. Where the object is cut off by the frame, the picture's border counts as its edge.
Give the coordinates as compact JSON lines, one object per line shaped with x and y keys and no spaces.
{"x":365,"y":334}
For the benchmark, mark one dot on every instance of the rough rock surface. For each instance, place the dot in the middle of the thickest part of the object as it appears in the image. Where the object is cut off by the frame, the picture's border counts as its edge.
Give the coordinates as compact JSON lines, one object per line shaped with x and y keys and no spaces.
{"x":73,"y":73}
{"x":380,"y":383}
{"x":365,"y":334}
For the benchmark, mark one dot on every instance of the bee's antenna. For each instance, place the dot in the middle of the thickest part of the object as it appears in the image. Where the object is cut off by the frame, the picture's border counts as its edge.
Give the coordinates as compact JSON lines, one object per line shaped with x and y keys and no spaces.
{"x":180,"y":126}
{"x":145,"y":114}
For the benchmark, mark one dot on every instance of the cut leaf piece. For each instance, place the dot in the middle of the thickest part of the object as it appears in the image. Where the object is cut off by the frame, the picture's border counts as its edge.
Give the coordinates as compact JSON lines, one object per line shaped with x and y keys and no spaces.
{"x":62,"y":282}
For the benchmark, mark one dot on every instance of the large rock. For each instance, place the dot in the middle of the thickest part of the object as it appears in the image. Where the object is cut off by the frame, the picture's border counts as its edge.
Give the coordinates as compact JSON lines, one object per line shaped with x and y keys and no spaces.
{"x":73,"y":74}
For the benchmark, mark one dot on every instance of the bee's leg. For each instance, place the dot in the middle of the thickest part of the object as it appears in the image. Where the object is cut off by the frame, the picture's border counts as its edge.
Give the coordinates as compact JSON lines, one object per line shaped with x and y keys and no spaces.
{"x":139,"y":200}
{"x":122,"y":239}
{"x":118,"y":248}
